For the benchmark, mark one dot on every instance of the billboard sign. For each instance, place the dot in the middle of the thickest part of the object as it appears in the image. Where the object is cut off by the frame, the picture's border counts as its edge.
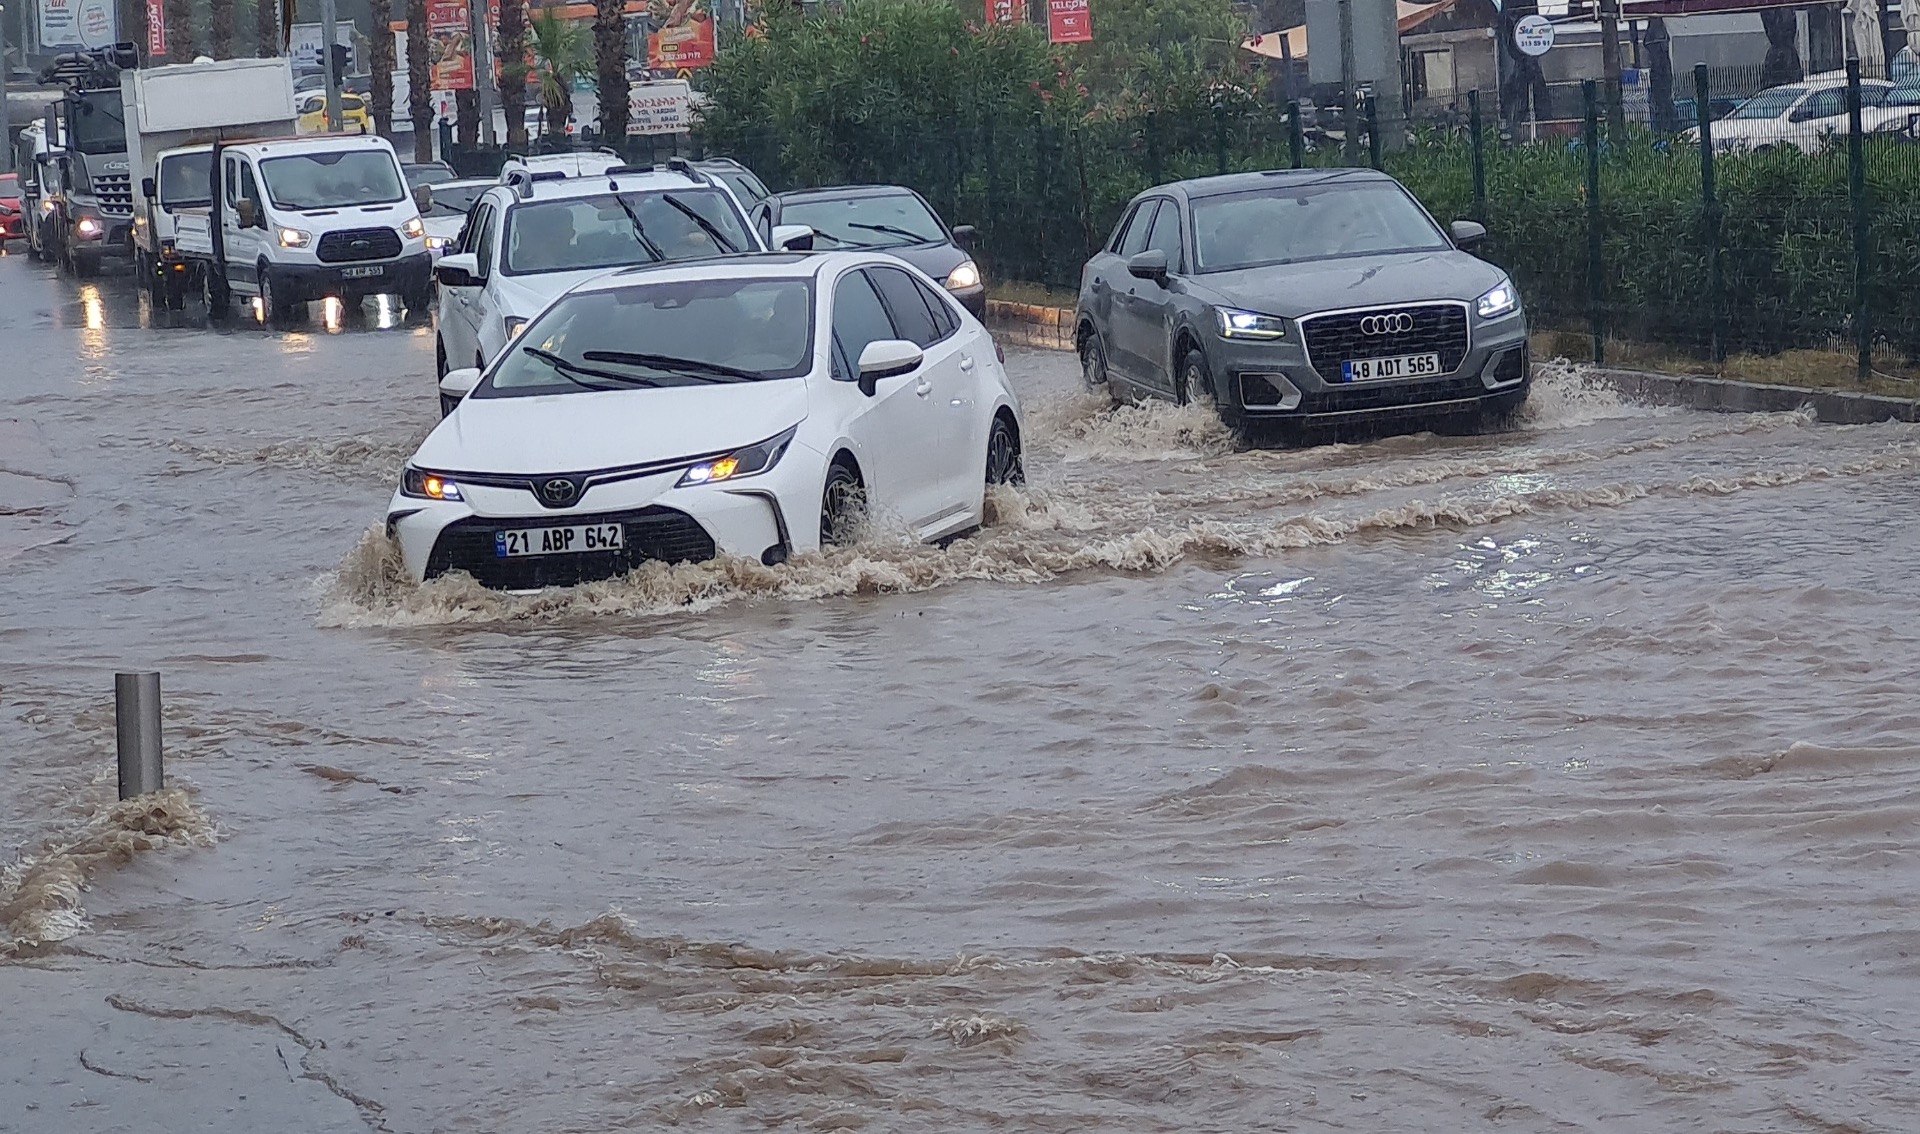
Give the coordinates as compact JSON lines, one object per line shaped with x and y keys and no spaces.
{"x":664,"y":107}
{"x":685,"y":39}
{"x":1069,"y":21}
{"x":450,"y":45}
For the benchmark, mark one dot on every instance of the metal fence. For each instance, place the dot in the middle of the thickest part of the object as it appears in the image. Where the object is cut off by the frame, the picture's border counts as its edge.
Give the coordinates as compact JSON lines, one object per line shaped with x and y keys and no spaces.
{"x":1772,"y":237}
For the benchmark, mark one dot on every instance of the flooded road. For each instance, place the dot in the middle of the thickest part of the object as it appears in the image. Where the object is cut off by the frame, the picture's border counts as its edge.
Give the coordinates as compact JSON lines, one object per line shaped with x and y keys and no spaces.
{"x":1566,"y":780}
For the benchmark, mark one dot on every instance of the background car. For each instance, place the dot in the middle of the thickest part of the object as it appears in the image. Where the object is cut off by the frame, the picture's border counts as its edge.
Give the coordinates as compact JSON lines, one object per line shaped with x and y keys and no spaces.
{"x":886,"y":217}
{"x":354,"y":116}
{"x":446,"y":214}
{"x":1802,"y":115}
{"x":747,"y":187}
{"x":1898,"y":110}
{"x":13,"y":225}
{"x":575,"y":163}
{"x":756,"y":407}
{"x":1313,"y":296}
{"x":427,"y":172}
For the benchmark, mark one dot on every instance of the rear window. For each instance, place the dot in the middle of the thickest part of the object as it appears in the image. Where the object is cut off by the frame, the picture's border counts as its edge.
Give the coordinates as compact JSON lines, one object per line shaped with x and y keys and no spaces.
{"x":9,"y":184}
{"x":616,"y":230}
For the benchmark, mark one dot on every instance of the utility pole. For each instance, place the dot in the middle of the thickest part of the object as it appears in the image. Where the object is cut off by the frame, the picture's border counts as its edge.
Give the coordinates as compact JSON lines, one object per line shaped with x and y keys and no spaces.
{"x":1390,"y":103}
{"x":1610,"y":63}
{"x":6,"y":123}
{"x":483,"y":93}
{"x":1349,"y":104}
{"x":328,"y":34}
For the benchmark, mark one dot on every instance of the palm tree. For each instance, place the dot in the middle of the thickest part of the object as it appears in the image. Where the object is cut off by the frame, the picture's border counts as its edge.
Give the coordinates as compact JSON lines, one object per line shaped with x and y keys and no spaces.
{"x":380,"y":66}
{"x":419,"y":81}
{"x":511,"y":52}
{"x":610,"y":67}
{"x":266,"y":28}
{"x":180,"y":45}
{"x":559,"y":57}
{"x":220,"y":20}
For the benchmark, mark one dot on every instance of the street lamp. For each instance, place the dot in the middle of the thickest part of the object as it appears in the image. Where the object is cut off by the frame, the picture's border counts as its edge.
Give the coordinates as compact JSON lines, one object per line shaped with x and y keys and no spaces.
{"x":6,"y":121}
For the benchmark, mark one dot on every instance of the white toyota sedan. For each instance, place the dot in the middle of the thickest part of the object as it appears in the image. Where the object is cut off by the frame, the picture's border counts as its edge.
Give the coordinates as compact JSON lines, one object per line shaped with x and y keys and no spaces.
{"x":754,"y":406}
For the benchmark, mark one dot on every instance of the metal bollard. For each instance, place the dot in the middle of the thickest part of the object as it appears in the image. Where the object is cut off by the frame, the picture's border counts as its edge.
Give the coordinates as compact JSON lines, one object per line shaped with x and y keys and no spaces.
{"x":136,"y":710}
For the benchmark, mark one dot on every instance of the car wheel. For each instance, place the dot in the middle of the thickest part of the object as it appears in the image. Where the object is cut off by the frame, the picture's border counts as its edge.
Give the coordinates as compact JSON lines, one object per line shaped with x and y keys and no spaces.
{"x":213,"y":290}
{"x":1093,"y":361}
{"x":843,"y":506}
{"x":1193,"y":384}
{"x":440,"y":366}
{"x":1004,"y":465}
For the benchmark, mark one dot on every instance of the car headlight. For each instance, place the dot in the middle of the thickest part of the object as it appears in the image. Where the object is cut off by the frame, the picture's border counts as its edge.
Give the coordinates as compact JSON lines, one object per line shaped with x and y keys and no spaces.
{"x":414,"y":229}
{"x":741,"y":462}
{"x":427,"y":486}
{"x":88,"y":227}
{"x":295,"y":238}
{"x":963,"y":277}
{"x":439,"y":243}
{"x":514,"y":324}
{"x":1237,"y":324}
{"x":1501,"y":300}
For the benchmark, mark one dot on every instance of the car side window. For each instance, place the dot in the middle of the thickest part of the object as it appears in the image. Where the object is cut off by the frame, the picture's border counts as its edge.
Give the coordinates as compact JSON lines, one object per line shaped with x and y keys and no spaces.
{"x":483,"y":244}
{"x":944,"y":320}
{"x":1165,"y":234}
{"x":247,"y":190}
{"x":859,"y":318}
{"x":763,"y":220}
{"x":1822,"y":104}
{"x":912,"y":319}
{"x":1120,"y":230}
{"x":1135,"y":241}
{"x":233,"y":181}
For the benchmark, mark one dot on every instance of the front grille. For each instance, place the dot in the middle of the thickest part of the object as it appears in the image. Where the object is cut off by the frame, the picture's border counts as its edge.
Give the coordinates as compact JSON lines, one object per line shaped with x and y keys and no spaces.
{"x":115,"y":193}
{"x":1439,"y":328}
{"x":1352,"y":396}
{"x":663,"y":534}
{"x":353,"y":244}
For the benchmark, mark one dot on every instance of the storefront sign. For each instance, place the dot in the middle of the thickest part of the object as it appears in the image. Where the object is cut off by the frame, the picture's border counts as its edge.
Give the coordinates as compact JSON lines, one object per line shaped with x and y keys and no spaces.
{"x":664,"y":107}
{"x":156,"y":28}
{"x":1069,"y":21}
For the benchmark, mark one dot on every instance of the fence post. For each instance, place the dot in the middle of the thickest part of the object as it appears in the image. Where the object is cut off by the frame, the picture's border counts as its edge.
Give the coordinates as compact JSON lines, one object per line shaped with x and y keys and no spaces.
{"x":1710,"y":201}
{"x":1478,"y":137}
{"x":1296,"y":145}
{"x":1156,"y":173}
{"x":136,"y":715}
{"x":1596,"y":277}
{"x":1373,"y":134}
{"x":1219,"y":140}
{"x":1862,"y":233}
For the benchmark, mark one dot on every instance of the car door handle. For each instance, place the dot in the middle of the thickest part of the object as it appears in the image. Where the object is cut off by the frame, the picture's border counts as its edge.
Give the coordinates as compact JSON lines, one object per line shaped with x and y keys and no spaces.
{"x":966,"y":362}
{"x":923,"y":388}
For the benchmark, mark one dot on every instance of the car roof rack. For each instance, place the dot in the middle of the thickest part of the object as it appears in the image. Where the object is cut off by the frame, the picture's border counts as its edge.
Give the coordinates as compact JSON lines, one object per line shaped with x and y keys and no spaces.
{"x":686,"y":169}
{"x":523,"y":180}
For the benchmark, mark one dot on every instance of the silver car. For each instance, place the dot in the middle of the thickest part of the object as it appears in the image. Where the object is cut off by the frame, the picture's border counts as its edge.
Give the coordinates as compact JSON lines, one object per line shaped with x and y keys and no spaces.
{"x":1320,"y":297}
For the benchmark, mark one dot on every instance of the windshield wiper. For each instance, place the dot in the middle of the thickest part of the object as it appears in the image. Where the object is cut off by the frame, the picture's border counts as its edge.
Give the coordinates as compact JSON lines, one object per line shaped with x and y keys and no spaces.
{"x":706,"y":225}
{"x":892,"y":230}
{"x":685,"y":367}
{"x":574,"y":372}
{"x":639,"y":230}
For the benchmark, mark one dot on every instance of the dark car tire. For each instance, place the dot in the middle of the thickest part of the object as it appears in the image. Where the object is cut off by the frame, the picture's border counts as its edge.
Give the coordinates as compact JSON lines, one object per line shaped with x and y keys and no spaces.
{"x":279,"y":311}
{"x":1193,"y":382}
{"x":843,"y":506}
{"x":1093,"y":362}
{"x":218,"y":297}
{"x":1004,"y":463}
{"x":448,"y":403}
{"x":440,"y":366}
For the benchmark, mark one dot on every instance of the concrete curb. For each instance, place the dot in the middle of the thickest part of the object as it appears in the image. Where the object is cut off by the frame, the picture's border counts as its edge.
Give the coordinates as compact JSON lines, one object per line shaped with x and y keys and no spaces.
{"x":1051,"y":328}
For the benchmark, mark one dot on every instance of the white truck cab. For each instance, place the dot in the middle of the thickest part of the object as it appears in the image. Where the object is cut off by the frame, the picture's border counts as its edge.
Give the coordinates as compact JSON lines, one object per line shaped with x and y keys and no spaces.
{"x":298,"y":219}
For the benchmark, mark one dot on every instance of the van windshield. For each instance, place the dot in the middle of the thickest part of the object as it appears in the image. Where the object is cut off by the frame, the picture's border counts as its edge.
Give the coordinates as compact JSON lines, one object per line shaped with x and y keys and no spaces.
{"x":186,"y":181}
{"x":333,"y":179}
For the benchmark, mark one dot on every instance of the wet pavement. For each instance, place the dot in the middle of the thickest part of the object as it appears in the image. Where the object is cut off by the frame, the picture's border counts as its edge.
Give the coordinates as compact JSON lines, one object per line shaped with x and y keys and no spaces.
{"x":1559,"y":780}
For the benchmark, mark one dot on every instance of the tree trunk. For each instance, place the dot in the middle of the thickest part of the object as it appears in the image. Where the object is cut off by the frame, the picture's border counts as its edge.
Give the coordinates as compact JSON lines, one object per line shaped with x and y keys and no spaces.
{"x":466,"y":108}
{"x":1782,"y":64}
{"x":1666,"y":122}
{"x":133,"y":25}
{"x":380,"y":66}
{"x":419,"y":81}
{"x":266,"y":29}
{"x":220,"y":19}
{"x":180,"y":45}
{"x":511,"y":54}
{"x":610,"y":68}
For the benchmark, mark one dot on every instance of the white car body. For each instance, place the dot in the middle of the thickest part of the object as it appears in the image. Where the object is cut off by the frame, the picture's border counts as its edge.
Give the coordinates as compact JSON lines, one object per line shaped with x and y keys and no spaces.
{"x":918,"y":437}
{"x":480,"y":316}
{"x":1803,"y":115}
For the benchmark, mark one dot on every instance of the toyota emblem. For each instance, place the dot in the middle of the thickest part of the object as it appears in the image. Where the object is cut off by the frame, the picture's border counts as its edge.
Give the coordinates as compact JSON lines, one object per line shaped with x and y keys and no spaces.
{"x":1398,"y":323}
{"x":559,"y":492}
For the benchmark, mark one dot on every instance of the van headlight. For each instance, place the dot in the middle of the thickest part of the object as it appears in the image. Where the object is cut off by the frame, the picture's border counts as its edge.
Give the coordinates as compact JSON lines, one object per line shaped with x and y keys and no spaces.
{"x":414,"y":229}
{"x":1497,"y":302}
{"x":1237,"y":324}
{"x":427,"y":486}
{"x":741,"y":462}
{"x":294,"y":238}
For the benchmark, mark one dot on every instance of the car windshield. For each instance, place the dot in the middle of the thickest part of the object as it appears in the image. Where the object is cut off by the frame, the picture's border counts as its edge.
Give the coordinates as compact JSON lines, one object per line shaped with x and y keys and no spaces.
{"x":186,"y":180}
{"x":693,"y":333}
{"x":614,"y":230}
{"x":869,"y":221}
{"x":450,"y":200}
{"x":1770,"y":104}
{"x":745,"y":186}
{"x":1309,"y":222}
{"x":333,"y":179}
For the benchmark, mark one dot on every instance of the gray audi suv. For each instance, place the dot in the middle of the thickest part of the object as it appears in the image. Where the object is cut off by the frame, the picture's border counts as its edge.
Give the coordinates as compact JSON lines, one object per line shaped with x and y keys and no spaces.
{"x":1317,"y":296}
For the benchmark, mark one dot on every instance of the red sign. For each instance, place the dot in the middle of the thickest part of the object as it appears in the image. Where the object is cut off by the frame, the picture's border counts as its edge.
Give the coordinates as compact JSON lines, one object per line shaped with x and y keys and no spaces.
{"x":1069,"y":21}
{"x":1007,"y":11}
{"x":685,"y":38}
{"x":450,"y":44}
{"x":156,"y":28}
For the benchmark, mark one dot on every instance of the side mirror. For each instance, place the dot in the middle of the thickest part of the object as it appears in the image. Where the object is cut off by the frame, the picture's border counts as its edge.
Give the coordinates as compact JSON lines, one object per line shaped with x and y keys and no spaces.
{"x":458,"y":270}
{"x":456,"y":385}
{"x":147,"y":189}
{"x":247,"y":212}
{"x":887,"y":358}
{"x":1466,"y":234}
{"x":965,"y":234}
{"x":1149,"y":265}
{"x":792,"y":238}
{"x":423,"y":198}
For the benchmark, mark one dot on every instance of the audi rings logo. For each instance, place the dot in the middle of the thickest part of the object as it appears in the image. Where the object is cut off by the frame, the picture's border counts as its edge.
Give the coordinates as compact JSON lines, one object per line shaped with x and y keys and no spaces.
{"x":1398,"y":323}
{"x":559,"y":492}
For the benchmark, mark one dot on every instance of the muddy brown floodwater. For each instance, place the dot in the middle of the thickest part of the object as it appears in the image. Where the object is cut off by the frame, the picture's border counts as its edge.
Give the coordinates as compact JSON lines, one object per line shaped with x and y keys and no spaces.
{"x":1564,"y":780}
